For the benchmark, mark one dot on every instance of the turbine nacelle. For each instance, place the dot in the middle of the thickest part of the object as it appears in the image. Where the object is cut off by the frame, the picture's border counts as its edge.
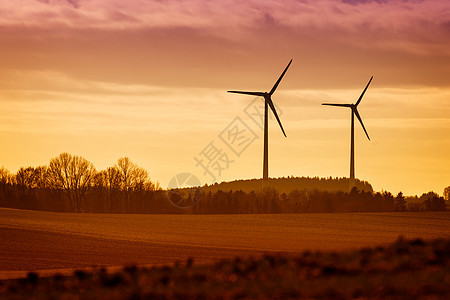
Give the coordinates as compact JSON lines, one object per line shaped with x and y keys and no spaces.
{"x":353,"y":107}
{"x":268,"y":96}
{"x":268,"y":103}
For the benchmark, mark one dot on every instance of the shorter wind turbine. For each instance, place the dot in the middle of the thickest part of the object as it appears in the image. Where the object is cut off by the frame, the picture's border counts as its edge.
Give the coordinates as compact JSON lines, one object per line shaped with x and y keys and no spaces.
{"x":268,"y":102}
{"x":354,"y":109}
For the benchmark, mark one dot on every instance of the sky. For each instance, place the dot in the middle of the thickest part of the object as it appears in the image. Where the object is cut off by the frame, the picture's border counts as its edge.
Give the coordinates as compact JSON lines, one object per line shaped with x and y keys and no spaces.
{"x":106,"y":79}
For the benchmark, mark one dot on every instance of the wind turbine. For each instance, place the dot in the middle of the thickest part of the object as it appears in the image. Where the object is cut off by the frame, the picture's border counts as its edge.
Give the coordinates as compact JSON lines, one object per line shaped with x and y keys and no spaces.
{"x":267,"y":102}
{"x":352,"y":143}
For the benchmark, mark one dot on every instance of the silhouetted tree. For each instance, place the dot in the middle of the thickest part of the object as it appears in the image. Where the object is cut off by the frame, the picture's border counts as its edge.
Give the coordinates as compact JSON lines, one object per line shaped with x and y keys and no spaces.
{"x":27,"y":179}
{"x":290,"y":183}
{"x":41,"y":177}
{"x":99,"y":184}
{"x":447,"y":193}
{"x":71,"y":183}
{"x":113,"y":183}
{"x":74,"y":175}
{"x":126,"y":171}
{"x":5,"y":178}
{"x":429,"y":195}
{"x":435,"y":203}
{"x":388,"y":202}
{"x":139,"y":180}
{"x":134,"y":181}
{"x":400,"y":202}
{"x":30,"y":184}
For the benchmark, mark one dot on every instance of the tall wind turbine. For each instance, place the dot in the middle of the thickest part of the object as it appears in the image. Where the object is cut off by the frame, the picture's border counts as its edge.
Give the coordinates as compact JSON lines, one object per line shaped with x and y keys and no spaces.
{"x":267,"y":102}
{"x":352,"y":143}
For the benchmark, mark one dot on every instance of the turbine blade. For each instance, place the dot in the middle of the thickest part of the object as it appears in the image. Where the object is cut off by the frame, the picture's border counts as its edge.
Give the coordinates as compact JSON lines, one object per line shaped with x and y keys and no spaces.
{"x":248,"y":93}
{"x":360,"y":120}
{"x":336,"y":104}
{"x":360,"y":97}
{"x":279,"y":79}
{"x":272,"y":107}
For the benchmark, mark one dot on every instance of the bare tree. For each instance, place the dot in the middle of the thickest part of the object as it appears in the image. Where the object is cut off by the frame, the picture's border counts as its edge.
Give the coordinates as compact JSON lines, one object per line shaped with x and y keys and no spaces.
{"x":5,"y":178}
{"x":113,"y":180}
{"x":126,"y":171}
{"x":59,"y":173}
{"x":82,"y":174}
{"x":74,"y":175}
{"x":152,"y":186}
{"x":134,"y":181}
{"x":41,"y":177}
{"x":4,"y":175}
{"x":26,"y":179}
{"x":139,"y":178}
{"x":100,"y":188}
{"x":447,"y":193}
{"x":400,"y":202}
{"x":107,"y":183}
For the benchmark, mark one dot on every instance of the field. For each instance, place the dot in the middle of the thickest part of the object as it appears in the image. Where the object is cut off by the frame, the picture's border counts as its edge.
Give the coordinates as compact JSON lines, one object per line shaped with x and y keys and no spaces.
{"x":46,"y":241}
{"x":329,"y":256}
{"x":414,"y":269}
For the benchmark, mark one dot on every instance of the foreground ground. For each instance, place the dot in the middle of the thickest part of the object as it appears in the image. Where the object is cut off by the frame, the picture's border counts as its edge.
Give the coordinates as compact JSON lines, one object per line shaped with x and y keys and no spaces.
{"x":50,"y":243}
{"x":403,"y":270}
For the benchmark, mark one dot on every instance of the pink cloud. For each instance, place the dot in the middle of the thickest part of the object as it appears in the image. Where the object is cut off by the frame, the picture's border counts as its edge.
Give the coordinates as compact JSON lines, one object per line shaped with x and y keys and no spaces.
{"x":392,"y":22}
{"x":73,"y":3}
{"x":228,"y":13}
{"x":180,"y":41}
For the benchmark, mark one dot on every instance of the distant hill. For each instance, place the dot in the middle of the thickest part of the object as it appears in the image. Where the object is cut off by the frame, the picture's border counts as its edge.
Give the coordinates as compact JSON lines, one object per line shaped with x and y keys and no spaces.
{"x":289,"y":184}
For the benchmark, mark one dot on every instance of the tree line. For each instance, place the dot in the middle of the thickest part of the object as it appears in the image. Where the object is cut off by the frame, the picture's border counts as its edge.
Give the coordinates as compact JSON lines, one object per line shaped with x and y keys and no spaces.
{"x":291,"y":183}
{"x":72,"y":184}
{"x":311,"y":201}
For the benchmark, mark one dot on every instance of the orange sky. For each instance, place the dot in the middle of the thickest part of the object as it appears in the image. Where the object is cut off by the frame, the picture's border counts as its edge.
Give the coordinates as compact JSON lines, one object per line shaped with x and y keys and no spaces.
{"x":148,"y":79}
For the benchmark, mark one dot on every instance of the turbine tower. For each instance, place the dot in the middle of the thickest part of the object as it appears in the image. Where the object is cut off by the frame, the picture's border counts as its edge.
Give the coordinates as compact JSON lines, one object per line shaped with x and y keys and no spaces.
{"x":267,"y":102}
{"x":352,"y":143}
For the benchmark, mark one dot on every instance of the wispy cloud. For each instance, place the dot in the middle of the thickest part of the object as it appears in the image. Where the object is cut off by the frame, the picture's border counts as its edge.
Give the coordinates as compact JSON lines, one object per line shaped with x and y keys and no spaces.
{"x":181,"y":43}
{"x":149,"y":79}
{"x":73,"y":3}
{"x":413,"y":25}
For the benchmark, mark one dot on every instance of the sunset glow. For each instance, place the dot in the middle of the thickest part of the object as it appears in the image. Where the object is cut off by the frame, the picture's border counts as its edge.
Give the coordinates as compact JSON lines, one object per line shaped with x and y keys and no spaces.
{"x":148,"y":80}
